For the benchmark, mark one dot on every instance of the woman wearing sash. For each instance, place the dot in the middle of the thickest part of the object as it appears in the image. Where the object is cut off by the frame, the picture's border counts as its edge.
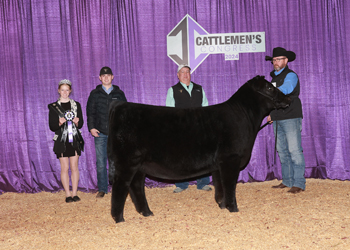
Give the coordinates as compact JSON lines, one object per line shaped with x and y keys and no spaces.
{"x":65,"y":119}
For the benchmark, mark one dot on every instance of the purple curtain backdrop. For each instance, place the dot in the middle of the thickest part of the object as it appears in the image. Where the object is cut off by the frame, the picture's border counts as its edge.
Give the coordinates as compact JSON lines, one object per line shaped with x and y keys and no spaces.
{"x":44,"y":41}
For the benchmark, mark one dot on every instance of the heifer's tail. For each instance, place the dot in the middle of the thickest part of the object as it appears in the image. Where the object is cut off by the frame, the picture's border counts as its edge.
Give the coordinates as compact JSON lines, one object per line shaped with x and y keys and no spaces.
{"x":112,"y":108}
{"x":113,"y":123}
{"x":112,"y":118}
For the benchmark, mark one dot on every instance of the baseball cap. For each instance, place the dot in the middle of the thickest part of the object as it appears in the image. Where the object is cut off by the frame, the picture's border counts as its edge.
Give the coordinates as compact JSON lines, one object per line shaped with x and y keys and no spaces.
{"x":181,"y":66}
{"x":106,"y":70}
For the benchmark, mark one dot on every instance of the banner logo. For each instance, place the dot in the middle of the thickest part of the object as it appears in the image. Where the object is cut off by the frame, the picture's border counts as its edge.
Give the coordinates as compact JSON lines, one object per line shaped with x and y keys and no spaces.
{"x":188,"y":43}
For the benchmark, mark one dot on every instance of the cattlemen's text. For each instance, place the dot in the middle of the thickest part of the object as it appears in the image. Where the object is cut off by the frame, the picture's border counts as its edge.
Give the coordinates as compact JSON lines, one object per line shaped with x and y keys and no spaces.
{"x":225,"y":40}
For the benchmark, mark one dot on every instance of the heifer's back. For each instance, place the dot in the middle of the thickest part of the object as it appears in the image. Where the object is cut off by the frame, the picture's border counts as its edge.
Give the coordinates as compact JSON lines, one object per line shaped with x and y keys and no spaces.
{"x":183,"y":143}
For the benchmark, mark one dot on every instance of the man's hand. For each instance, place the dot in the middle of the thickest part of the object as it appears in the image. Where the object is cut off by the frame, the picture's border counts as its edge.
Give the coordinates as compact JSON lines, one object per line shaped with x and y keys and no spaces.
{"x":94,"y":132}
{"x":269,"y":119}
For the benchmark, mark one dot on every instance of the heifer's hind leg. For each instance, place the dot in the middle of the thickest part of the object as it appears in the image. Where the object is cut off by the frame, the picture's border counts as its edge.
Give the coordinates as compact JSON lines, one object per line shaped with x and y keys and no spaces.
{"x":118,"y":202}
{"x":219,"y":193}
{"x":120,"y":191}
{"x":137,"y":194}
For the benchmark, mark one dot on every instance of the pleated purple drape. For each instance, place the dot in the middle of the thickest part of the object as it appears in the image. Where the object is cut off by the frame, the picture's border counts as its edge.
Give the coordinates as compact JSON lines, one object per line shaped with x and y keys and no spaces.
{"x":44,"y":41}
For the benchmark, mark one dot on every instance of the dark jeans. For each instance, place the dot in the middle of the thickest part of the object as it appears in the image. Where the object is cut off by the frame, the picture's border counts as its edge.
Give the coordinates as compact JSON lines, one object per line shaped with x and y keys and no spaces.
{"x":200,"y":183}
{"x":101,"y":163}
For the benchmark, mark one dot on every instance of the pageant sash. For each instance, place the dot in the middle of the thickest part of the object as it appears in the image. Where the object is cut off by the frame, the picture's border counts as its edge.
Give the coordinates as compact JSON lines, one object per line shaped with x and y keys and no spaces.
{"x":57,"y":108}
{"x":69,"y":117}
{"x":68,"y":129}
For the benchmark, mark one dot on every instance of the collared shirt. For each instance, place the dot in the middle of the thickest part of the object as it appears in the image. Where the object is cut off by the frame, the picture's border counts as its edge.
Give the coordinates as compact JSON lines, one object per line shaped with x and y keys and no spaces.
{"x":170,"y":101}
{"x":108,"y":91}
{"x":289,"y":83}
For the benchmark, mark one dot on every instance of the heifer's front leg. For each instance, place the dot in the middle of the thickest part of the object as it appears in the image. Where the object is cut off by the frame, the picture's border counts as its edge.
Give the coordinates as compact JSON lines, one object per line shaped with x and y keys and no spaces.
{"x":120,"y":190}
{"x":229,"y":176}
{"x":137,"y":194}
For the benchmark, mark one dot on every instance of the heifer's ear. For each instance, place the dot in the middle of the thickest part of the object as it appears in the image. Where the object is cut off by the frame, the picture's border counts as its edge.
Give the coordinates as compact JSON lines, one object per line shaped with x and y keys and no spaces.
{"x":258,"y":77}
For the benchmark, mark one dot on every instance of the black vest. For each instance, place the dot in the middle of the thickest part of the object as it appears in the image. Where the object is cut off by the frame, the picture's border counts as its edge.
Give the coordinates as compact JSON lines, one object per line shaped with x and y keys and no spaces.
{"x":295,"y":109}
{"x":183,"y":98}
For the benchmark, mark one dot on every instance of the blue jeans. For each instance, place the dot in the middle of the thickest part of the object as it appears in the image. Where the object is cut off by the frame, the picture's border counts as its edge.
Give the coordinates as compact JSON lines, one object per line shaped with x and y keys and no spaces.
{"x":290,"y":152}
{"x":101,"y":163}
{"x":200,"y":183}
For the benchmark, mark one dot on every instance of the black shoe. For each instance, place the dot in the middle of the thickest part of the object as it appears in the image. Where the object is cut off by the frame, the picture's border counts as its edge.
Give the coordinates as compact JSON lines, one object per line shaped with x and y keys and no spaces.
{"x":295,"y":190}
{"x":69,"y":199}
{"x":100,"y":194}
{"x":281,"y":185}
{"x":76,"y":198}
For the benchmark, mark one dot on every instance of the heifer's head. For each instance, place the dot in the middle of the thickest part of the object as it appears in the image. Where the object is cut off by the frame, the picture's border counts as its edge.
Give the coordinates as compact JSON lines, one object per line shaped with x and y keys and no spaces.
{"x":271,"y":94}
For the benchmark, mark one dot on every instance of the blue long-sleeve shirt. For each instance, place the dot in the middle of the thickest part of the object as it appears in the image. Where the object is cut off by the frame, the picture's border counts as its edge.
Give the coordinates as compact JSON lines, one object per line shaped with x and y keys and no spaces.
{"x":289,"y":83}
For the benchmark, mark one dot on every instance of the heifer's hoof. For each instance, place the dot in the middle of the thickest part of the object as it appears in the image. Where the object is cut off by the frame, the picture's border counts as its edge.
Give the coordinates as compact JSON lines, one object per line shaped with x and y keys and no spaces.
{"x":117,"y":220}
{"x":222,"y":205}
{"x":118,"y":217}
{"x":146,"y":214}
{"x":232,"y":209}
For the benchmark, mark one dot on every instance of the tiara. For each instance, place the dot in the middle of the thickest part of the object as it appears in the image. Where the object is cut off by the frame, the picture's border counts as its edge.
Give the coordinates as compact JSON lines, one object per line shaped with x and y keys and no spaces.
{"x":65,"y":81}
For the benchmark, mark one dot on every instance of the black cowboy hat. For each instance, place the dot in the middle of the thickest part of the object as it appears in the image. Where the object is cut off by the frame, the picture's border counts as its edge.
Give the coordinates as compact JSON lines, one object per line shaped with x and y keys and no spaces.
{"x":278,"y":51}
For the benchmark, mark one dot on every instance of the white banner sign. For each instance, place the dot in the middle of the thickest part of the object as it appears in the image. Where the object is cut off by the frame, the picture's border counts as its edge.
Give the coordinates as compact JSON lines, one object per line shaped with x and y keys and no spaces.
{"x":189,"y":43}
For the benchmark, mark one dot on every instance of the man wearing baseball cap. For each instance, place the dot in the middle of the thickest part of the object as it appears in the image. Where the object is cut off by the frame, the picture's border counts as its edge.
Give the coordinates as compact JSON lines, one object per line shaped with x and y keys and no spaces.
{"x":97,"y":109}
{"x":186,"y":94}
{"x":287,"y":122}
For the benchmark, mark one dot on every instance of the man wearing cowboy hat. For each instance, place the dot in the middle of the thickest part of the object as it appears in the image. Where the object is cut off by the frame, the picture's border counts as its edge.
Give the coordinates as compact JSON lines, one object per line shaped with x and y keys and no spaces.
{"x":287,"y":122}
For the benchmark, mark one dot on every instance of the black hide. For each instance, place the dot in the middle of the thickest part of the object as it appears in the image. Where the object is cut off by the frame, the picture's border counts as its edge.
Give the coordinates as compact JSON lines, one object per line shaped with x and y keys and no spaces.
{"x":177,"y":144}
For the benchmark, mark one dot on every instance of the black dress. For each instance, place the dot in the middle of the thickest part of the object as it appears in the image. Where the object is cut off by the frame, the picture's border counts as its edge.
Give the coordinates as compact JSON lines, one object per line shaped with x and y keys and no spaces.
{"x":66,"y":149}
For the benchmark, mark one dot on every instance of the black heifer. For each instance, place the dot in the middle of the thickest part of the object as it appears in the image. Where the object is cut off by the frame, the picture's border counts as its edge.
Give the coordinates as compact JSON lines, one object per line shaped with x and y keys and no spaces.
{"x":177,"y":144}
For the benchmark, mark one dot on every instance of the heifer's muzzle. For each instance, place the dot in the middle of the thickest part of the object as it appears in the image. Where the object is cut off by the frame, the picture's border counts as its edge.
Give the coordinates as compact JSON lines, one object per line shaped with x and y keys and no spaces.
{"x":275,"y":98}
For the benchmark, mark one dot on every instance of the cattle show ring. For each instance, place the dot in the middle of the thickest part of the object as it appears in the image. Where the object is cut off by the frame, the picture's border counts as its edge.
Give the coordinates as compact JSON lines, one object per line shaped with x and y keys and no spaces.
{"x":174,"y":124}
{"x":192,"y":219}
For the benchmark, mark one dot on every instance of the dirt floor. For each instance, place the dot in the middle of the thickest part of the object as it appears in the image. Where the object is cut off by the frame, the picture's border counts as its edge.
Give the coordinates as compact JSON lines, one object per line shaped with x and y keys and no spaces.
{"x":318,"y":218}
